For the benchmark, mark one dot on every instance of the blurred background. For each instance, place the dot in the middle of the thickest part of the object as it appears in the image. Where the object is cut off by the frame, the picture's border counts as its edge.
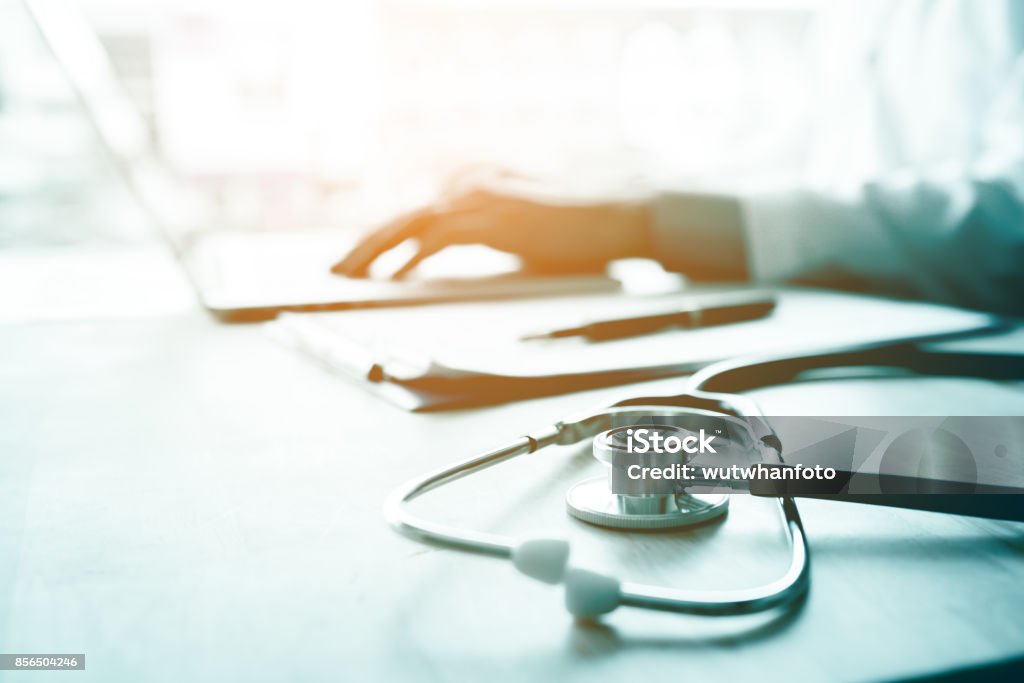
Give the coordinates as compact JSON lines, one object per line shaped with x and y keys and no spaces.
{"x":301,"y":113}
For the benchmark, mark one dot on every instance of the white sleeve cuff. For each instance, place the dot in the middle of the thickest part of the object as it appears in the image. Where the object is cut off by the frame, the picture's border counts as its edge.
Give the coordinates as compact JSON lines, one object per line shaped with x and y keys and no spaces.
{"x":700,"y":235}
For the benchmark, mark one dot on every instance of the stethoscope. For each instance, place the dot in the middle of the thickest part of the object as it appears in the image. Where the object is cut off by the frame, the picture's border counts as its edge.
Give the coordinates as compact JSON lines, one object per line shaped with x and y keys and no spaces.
{"x":710,"y":393}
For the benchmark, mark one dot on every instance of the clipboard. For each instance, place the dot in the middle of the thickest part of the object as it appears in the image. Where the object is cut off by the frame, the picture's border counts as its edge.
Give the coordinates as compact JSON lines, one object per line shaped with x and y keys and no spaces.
{"x":464,"y":355}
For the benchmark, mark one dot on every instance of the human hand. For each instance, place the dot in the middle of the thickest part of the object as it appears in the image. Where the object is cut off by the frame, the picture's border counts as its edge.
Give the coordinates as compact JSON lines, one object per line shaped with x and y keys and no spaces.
{"x":549,"y":236}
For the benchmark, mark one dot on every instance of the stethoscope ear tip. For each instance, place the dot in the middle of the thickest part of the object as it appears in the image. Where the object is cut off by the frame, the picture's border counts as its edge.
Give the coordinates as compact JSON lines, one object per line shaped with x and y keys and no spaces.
{"x":544,"y":559}
{"x":589,"y":595}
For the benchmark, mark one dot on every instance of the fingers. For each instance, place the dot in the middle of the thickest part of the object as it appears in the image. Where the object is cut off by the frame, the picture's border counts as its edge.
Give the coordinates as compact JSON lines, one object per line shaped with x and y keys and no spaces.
{"x":428,"y":247}
{"x":448,"y":230}
{"x":468,"y":218}
{"x":358,"y":261}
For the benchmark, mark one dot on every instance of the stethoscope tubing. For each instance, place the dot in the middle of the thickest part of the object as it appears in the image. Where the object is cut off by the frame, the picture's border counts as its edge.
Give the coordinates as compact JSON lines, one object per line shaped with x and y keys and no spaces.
{"x":787,"y":588}
{"x":706,"y":389}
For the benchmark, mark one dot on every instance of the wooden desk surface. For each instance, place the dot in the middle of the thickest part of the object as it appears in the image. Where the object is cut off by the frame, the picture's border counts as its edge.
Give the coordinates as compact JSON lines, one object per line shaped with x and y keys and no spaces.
{"x":184,"y":501}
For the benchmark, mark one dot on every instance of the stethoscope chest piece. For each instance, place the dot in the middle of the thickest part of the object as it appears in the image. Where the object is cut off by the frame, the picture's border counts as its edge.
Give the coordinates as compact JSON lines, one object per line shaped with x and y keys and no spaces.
{"x":593,"y":502}
{"x":619,"y":502}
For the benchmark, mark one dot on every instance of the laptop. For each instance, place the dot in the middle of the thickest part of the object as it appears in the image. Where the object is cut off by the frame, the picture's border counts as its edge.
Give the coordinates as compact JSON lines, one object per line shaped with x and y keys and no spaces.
{"x":244,"y":275}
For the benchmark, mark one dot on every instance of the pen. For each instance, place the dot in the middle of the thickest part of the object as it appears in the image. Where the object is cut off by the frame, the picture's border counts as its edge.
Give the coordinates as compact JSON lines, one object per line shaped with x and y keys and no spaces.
{"x":687,"y":317}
